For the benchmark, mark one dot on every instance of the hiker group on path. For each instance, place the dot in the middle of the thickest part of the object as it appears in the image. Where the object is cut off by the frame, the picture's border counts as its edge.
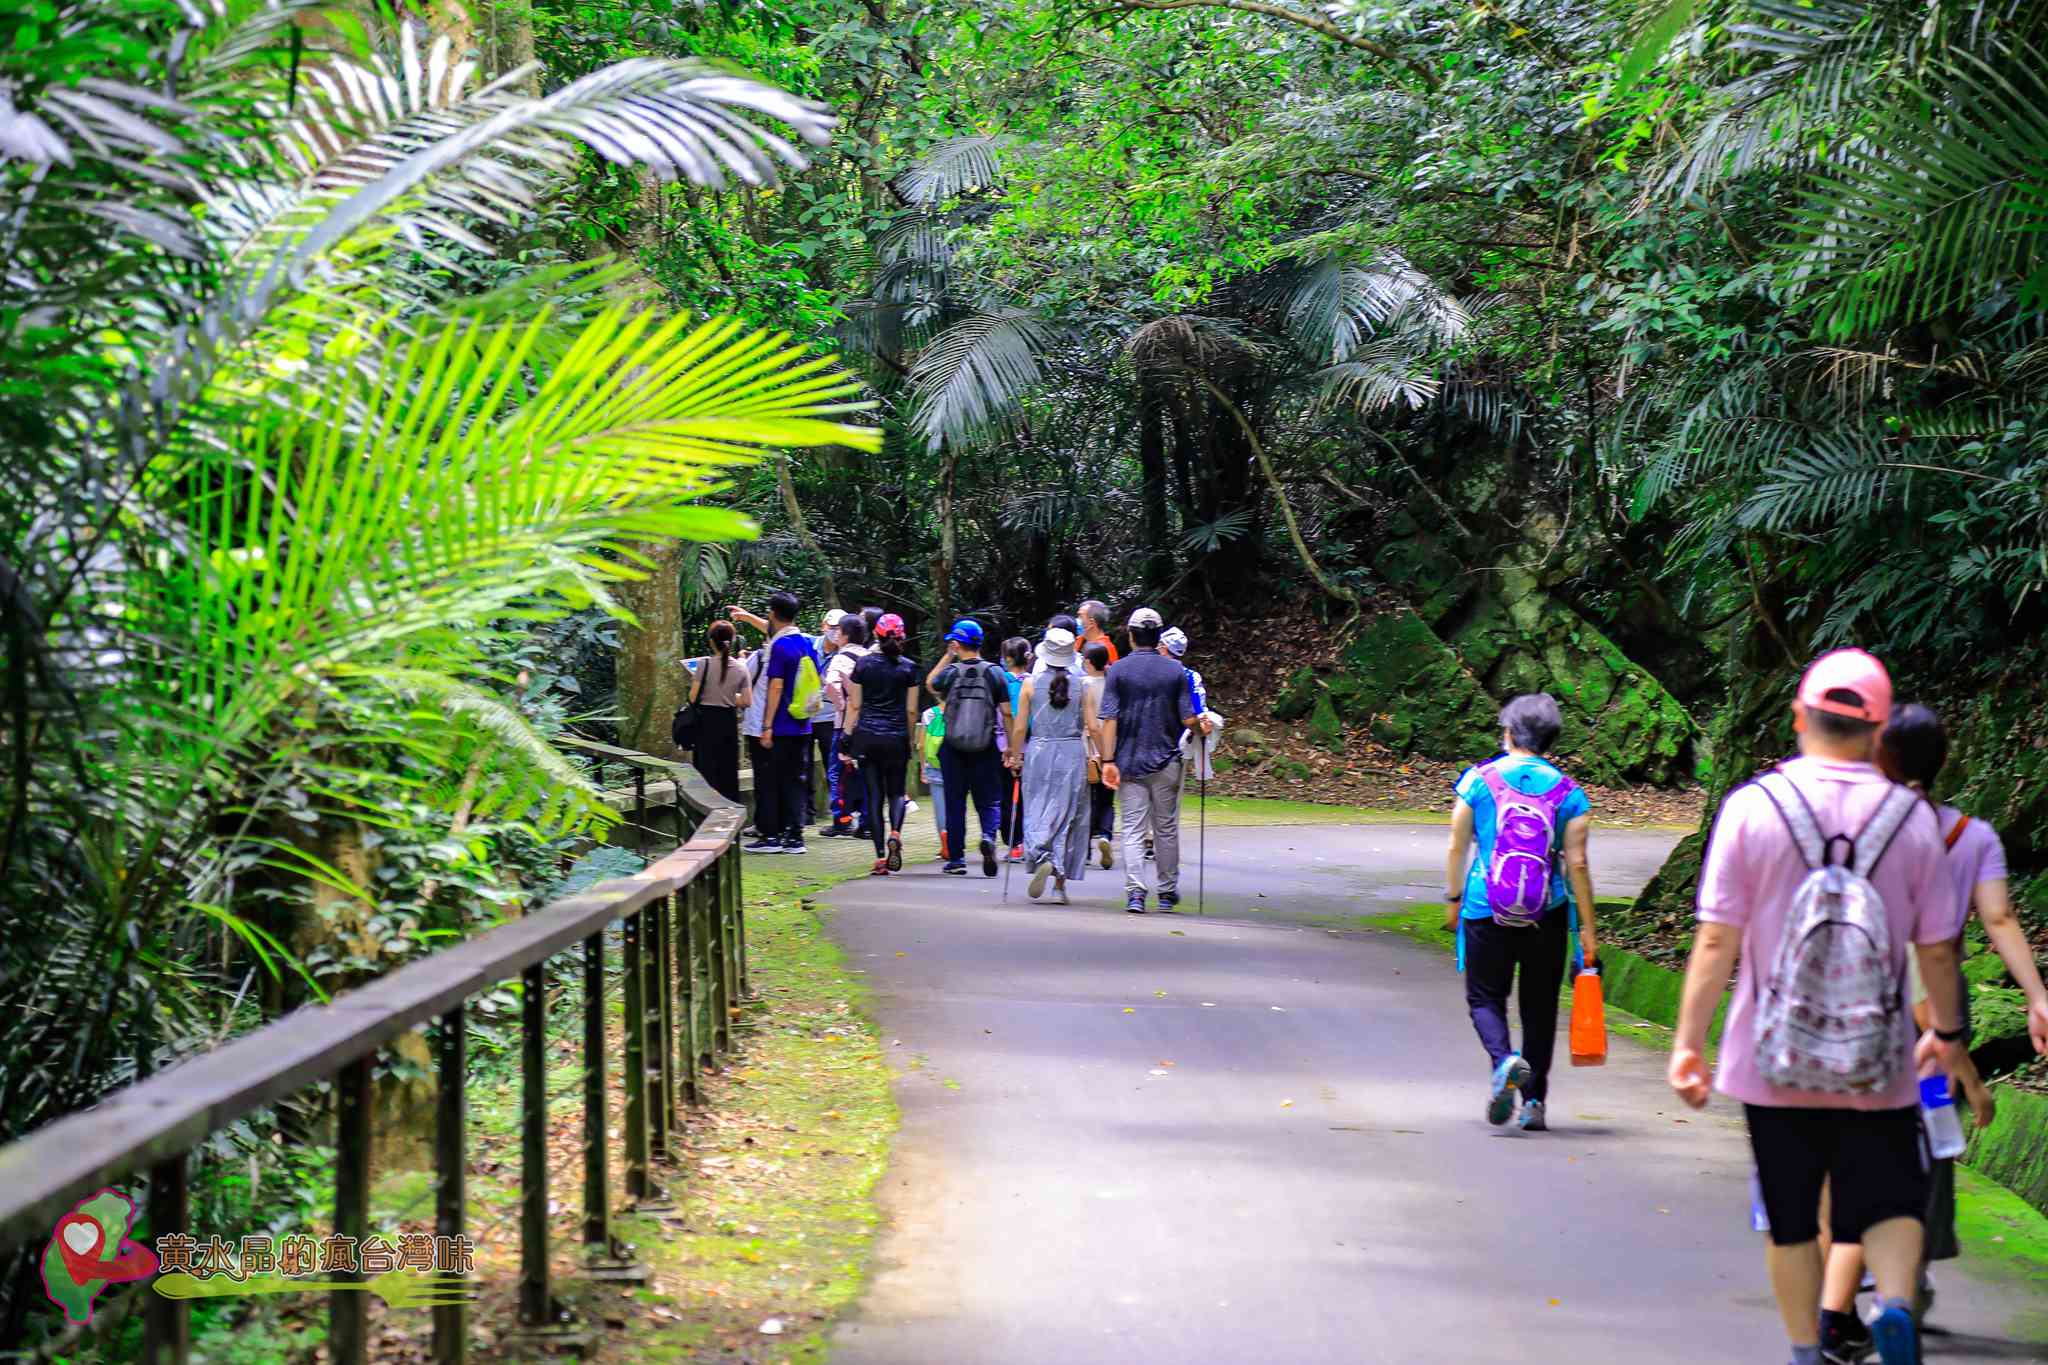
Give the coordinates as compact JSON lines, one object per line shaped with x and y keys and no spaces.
{"x":1042,"y":741}
{"x":1834,"y":891}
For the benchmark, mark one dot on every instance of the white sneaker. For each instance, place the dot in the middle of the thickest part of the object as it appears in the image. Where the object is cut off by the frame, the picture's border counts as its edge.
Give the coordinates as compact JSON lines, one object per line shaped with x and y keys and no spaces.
{"x":1039,"y":875}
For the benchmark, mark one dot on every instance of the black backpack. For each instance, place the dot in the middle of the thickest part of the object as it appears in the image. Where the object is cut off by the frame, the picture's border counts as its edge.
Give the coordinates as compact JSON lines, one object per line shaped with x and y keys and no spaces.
{"x":971,"y":708}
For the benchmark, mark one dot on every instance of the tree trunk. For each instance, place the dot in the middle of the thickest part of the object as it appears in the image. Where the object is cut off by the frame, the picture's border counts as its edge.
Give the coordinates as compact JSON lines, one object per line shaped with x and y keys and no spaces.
{"x":787,"y":484}
{"x":949,"y":536}
{"x":1152,"y":469}
{"x":652,"y":679}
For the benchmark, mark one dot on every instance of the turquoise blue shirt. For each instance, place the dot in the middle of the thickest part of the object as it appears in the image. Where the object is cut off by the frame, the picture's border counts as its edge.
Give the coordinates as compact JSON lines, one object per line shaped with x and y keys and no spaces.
{"x":1534,"y":776}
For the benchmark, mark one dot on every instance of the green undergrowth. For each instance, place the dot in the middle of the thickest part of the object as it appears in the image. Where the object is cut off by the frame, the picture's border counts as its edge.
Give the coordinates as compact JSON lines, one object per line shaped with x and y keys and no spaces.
{"x":2006,"y":1240}
{"x":776,"y":1214}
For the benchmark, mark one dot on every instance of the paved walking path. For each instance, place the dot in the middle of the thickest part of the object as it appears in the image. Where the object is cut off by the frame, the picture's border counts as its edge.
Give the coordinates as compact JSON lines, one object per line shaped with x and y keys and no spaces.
{"x":1249,"y":1138}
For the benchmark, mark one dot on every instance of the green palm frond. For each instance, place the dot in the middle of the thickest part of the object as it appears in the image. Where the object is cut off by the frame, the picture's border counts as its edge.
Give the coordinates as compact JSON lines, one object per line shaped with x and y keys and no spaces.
{"x":975,"y":372}
{"x":957,"y":166}
{"x":1844,"y":476}
{"x":1946,"y":203}
{"x":415,"y":500}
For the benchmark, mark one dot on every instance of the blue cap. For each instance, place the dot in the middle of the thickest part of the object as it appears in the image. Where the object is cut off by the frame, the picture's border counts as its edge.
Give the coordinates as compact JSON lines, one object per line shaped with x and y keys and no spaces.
{"x":966,"y":632}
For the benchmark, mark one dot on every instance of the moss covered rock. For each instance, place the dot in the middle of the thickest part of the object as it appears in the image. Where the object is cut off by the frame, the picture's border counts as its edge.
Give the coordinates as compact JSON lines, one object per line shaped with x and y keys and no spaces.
{"x":1297,"y":695}
{"x":1324,"y":726}
{"x":1620,"y":723}
{"x":1397,"y":677}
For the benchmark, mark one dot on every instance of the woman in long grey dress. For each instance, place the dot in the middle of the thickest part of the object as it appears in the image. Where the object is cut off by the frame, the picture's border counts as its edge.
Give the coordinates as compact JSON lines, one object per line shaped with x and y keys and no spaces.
{"x":1055,"y":766}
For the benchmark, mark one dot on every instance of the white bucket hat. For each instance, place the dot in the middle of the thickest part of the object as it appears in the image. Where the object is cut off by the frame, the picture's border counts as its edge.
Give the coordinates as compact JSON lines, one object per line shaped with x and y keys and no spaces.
{"x":1056,"y":650}
{"x":1176,"y":641}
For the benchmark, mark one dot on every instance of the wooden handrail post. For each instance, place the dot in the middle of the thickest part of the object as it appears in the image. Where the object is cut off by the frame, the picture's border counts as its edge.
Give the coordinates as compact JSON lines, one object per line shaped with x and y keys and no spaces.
{"x":735,"y":894}
{"x":707,"y":990}
{"x":686,"y":993}
{"x":668,"y":910}
{"x":348,"y":1320}
{"x":167,"y":1323}
{"x":451,"y":1178}
{"x":653,"y":1022}
{"x":597,"y":1231}
{"x":536,"y":1296}
{"x":638,"y":1185}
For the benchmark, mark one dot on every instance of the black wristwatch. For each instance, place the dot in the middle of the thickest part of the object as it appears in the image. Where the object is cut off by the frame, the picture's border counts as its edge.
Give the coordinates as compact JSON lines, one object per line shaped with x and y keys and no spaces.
{"x":1954,"y":1035}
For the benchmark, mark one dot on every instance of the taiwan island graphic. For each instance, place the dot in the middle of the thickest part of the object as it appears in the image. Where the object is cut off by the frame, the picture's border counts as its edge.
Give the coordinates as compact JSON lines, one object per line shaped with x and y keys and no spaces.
{"x":89,"y":1250}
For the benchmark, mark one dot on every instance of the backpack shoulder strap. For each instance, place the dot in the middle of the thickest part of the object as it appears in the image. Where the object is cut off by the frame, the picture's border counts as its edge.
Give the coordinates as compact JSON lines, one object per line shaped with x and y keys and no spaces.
{"x":1883,"y":826}
{"x":1962,"y":823}
{"x":1798,"y":816}
{"x":1496,"y":785}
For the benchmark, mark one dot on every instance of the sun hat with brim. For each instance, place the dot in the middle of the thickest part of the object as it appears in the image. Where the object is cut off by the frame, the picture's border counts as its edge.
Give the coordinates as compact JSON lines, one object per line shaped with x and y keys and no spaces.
{"x":834,"y":617}
{"x":1176,"y":641}
{"x":1145,"y":616}
{"x":1056,"y":650}
{"x":965,"y":632}
{"x":889,"y":623}
{"x":1848,"y":682}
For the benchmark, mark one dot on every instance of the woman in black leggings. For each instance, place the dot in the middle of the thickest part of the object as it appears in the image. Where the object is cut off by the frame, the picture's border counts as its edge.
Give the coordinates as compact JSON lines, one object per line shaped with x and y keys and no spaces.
{"x":881,"y":710}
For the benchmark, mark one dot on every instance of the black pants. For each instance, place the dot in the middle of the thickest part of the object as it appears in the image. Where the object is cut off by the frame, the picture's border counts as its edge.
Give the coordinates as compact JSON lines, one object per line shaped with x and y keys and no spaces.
{"x":717,"y":754}
{"x":1493,"y":955}
{"x":779,"y":803}
{"x":982,"y":775}
{"x":1101,"y":811}
{"x":884,"y":763}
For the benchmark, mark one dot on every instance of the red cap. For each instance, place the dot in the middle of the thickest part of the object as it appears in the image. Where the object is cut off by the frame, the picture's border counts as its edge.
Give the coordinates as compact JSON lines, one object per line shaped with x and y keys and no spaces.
{"x":890,"y":624}
{"x":1860,"y":687}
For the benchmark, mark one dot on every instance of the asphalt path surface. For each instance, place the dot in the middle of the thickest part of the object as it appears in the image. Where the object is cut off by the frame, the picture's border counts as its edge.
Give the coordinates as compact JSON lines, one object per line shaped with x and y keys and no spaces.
{"x":1256,"y":1135}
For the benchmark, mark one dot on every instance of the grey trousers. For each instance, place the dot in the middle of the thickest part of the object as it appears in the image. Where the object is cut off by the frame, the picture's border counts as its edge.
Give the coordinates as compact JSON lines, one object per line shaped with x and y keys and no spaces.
{"x":1152,"y":804}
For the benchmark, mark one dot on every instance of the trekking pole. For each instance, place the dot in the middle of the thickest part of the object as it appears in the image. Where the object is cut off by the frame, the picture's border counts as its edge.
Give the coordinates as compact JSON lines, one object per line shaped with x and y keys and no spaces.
{"x":1009,"y":865}
{"x":1202,"y":843}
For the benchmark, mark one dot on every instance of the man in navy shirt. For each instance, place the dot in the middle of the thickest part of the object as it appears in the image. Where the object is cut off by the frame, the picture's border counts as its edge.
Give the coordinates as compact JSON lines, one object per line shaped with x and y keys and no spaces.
{"x":779,"y":809}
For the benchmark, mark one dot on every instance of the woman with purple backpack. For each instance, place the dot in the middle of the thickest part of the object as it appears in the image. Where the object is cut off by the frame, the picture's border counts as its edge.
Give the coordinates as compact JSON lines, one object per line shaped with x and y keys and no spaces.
{"x":1518,"y":901}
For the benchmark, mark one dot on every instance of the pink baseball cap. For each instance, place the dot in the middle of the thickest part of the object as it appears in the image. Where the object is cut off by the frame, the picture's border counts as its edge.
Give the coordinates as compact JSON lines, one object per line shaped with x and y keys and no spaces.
{"x":1867,"y":686}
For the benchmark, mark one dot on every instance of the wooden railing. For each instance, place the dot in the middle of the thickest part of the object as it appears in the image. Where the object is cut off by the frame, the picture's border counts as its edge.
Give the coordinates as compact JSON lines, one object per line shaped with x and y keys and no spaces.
{"x":682,"y":935}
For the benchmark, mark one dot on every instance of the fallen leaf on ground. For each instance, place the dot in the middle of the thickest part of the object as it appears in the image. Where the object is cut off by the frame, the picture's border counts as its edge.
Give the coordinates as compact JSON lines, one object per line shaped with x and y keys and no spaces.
{"x":1129,"y":1010}
{"x":1287,"y":1104}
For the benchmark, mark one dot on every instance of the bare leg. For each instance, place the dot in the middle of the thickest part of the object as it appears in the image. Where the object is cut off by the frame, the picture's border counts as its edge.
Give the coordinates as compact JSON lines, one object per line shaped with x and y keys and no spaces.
{"x":1844,"y":1274}
{"x":1893,"y":1249}
{"x":1795,"y":1279}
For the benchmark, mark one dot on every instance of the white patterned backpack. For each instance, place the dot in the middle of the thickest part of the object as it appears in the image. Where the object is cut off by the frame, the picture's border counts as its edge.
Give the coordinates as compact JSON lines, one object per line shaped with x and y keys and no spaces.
{"x":1829,"y":1012}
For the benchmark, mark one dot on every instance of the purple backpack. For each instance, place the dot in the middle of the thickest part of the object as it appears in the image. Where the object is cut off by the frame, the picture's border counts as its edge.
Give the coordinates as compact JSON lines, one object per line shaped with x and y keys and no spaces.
{"x":1524,"y":849}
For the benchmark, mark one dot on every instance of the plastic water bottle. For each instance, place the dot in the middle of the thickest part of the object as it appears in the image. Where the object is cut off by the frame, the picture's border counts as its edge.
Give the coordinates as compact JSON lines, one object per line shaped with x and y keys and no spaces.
{"x":1938,"y":1113}
{"x":1759,"y":1220}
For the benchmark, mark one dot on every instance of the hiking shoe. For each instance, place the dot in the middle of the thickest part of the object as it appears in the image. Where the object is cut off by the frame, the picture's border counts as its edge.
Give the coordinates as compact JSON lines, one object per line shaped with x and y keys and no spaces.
{"x":1532,"y":1117}
{"x":1508,"y":1079}
{"x":1898,"y":1340}
{"x":880,"y":869}
{"x":988,"y":857}
{"x":955,"y":869}
{"x":834,"y":831}
{"x":1059,"y":888}
{"x":795,"y":845}
{"x":1136,"y":904}
{"x":764,"y":845}
{"x":1168,"y":900}
{"x":895,"y":858}
{"x":1844,"y":1340}
{"x":1102,"y":853}
{"x":1039,"y":876}
{"x":1016,"y":853}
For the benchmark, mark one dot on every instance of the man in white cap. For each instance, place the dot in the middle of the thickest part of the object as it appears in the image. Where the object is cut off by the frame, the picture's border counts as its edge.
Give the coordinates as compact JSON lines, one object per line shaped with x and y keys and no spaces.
{"x":1144,"y":709}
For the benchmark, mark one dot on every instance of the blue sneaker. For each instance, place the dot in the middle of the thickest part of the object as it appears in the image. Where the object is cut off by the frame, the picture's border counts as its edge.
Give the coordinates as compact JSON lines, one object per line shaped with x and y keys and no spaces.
{"x":1508,"y":1079}
{"x":1898,"y":1340}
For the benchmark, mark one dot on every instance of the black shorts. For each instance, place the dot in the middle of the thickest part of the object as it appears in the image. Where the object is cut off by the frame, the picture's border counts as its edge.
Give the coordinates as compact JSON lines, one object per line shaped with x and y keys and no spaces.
{"x":1872,"y":1159}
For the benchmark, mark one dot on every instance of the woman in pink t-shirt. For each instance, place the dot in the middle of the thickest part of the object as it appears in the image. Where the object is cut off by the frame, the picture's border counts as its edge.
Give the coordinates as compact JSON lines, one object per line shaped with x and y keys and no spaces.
{"x":1913,"y":750}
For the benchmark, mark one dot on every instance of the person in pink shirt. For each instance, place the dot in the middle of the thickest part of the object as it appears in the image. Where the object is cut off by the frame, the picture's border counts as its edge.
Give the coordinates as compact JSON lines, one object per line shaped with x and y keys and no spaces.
{"x":1864,"y":1144}
{"x":1913,"y":750}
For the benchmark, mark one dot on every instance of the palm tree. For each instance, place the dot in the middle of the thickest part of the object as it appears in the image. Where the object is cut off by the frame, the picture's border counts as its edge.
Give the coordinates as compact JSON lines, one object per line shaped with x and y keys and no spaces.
{"x":286,"y":459}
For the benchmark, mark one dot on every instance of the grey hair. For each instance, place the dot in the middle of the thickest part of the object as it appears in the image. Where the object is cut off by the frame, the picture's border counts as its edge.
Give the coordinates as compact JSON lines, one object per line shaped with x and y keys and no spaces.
{"x":1532,"y":721}
{"x":1094,"y":611}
